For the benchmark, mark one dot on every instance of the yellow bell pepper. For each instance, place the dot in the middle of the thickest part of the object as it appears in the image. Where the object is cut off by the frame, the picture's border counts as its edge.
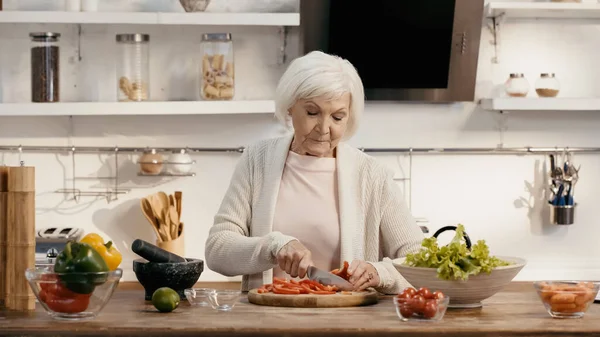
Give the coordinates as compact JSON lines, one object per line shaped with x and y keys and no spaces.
{"x":109,"y":253}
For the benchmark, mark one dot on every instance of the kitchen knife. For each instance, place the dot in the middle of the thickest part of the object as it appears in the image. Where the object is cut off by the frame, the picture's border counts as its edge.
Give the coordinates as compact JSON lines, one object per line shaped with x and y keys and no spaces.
{"x":327,"y":278}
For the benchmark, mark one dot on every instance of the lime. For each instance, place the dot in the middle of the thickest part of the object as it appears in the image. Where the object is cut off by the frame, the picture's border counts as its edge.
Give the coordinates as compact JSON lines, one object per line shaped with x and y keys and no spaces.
{"x":165,"y":299}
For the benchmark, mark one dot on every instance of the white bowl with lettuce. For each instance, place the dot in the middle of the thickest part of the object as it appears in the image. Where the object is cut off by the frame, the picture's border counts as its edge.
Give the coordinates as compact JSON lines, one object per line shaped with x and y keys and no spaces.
{"x":466,"y":273}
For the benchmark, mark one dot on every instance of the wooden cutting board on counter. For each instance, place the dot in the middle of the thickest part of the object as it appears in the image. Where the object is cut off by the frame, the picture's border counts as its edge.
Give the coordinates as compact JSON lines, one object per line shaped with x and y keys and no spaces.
{"x":353,"y":299}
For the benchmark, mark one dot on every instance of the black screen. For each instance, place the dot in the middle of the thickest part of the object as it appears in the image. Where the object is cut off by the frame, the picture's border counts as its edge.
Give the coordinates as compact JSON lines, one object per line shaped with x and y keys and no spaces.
{"x":394,"y":44}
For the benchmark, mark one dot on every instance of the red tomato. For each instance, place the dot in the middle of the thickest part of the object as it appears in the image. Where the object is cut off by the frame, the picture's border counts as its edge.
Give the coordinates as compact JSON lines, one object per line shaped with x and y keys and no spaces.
{"x":426,"y":293}
{"x":438,"y":295}
{"x":410,"y":291}
{"x":406,"y":311}
{"x":403,"y":297}
{"x":418,"y":304}
{"x":430,"y":309}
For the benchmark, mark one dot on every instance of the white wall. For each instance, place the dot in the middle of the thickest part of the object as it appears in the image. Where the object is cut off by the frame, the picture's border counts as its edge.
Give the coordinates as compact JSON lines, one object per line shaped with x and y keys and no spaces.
{"x":498,"y":198}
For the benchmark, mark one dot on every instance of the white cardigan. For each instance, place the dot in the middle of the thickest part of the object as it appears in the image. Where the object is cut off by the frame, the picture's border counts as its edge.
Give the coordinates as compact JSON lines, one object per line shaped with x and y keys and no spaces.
{"x":375,"y":223}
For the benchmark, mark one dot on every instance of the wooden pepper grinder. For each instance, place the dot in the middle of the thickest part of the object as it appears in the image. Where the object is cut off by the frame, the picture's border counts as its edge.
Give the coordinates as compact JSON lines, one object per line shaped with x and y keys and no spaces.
{"x":20,"y":252}
{"x":3,"y":228}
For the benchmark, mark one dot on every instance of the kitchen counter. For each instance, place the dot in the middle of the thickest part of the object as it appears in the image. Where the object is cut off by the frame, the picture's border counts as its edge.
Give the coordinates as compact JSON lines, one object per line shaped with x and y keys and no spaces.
{"x":514,"y":312}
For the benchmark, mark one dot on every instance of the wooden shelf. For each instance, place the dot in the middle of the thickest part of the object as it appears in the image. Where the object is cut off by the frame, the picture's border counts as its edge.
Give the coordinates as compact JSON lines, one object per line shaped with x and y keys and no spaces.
{"x":152,"y":18}
{"x":543,"y":10}
{"x":137,"y":108}
{"x":541,"y":104}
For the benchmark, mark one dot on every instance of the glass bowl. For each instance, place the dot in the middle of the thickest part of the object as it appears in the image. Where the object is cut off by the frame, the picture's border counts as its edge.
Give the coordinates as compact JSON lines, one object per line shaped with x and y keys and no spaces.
{"x":411,"y":309}
{"x":566,"y":299}
{"x":224,"y":300}
{"x":199,"y":296}
{"x":72,"y":296}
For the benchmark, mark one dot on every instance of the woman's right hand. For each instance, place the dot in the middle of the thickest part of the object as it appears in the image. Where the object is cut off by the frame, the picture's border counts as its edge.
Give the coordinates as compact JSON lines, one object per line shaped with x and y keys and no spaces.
{"x":294,"y":259}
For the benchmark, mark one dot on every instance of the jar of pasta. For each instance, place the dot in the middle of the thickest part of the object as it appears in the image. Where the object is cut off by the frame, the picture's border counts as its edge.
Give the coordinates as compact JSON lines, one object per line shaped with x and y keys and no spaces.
{"x":133,"y":67}
{"x":217,"y":67}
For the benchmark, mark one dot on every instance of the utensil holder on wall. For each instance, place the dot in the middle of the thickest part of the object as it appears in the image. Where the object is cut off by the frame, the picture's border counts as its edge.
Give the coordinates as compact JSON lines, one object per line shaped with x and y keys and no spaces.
{"x":175,"y":246}
{"x":562,"y":215}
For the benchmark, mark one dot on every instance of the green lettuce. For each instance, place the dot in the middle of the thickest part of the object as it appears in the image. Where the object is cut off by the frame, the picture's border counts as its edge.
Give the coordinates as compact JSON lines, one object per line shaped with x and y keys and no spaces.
{"x":455,"y":261}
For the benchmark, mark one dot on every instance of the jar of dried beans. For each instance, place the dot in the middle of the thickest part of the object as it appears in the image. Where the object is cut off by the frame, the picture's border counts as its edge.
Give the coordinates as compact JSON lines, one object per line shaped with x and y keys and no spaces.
{"x":217,"y":67}
{"x":45,"y":67}
{"x":133,"y":67}
{"x":547,"y":85}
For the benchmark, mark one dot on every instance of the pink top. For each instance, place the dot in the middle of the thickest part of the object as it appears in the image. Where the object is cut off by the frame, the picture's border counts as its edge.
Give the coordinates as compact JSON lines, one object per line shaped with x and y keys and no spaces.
{"x":307,"y":208}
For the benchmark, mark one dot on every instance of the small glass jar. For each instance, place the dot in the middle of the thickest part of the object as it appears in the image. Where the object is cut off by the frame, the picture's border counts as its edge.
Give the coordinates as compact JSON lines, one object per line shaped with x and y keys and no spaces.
{"x":180,"y":162}
{"x":516,"y":85}
{"x":45,"y":67}
{"x":133,"y":69}
{"x":218,"y":76}
{"x":151,"y":162}
{"x":547,"y":85}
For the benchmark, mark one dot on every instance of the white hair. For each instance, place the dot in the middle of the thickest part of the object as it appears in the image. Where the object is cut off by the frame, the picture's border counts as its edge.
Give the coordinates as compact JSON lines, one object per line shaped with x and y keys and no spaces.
{"x":318,"y":74}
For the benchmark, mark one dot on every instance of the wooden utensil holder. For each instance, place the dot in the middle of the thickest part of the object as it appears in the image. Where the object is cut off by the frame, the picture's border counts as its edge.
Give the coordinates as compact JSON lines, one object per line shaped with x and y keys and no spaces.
{"x":20,"y":248}
{"x":175,"y":246}
{"x":3,"y":231}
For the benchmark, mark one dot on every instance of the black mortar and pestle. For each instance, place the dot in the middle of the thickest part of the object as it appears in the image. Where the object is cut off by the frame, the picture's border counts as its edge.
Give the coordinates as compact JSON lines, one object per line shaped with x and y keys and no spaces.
{"x":160,"y":268}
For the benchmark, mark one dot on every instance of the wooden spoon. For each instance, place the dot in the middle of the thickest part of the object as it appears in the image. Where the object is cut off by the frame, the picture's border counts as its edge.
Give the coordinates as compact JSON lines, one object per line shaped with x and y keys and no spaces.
{"x":178,"y":196}
{"x":174,"y":221}
{"x":167,"y":224}
{"x":149,"y":214}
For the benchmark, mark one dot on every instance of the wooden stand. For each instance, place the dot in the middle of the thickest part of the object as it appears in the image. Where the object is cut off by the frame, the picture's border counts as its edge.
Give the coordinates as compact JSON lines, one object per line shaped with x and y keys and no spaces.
{"x":20,"y":251}
{"x":3,"y":233}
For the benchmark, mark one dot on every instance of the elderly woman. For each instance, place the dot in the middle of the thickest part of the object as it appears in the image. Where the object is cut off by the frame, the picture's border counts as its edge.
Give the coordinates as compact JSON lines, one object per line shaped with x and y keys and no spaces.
{"x":309,"y":198}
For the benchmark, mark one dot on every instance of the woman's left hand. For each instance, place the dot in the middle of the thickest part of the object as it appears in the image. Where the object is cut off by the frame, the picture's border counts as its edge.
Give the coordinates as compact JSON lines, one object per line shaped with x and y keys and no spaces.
{"x":363,"y":275}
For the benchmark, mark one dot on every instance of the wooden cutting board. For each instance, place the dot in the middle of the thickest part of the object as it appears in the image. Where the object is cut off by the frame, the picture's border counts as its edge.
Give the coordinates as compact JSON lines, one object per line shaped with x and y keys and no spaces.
{"x":314,"y":301}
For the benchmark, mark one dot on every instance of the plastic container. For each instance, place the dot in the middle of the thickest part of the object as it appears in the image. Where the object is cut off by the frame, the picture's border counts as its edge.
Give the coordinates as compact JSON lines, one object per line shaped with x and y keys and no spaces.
{"x":547,"y":85}
{"x":45,"y":67}
{"x":133,"y":67}
{"x":218,"y":76}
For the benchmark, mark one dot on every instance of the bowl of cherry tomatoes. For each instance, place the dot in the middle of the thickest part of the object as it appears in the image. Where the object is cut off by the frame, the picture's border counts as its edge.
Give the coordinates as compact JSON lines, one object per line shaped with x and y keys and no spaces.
{"x":421,"y":305}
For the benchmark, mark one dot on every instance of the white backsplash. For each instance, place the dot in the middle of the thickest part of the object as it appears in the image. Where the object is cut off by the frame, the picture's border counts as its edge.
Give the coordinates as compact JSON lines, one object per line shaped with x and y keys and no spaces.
{"x":498,"y":198}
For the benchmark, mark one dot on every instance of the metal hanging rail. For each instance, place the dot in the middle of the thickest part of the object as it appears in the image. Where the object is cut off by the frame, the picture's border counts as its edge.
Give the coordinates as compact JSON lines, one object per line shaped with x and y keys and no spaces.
{"x":410,"y":150}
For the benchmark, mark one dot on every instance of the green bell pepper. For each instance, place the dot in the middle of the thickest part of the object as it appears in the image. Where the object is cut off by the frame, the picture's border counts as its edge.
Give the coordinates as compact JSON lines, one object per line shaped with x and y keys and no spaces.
{"x":81,"y":267}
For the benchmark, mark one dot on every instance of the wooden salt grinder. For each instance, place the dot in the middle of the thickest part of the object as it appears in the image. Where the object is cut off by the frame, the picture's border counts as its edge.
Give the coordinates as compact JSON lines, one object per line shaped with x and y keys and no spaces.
{"x":3,"y":228}
{"x":20,"y":252}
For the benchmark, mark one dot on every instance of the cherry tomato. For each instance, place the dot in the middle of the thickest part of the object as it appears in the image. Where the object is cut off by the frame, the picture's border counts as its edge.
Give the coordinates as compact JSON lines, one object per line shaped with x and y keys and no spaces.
{"x":406,"y":311}
{"x":403,"y":298}
{"x":418,"y":304}
{"x":426,"y":293}
{"x":438,"y":295}
{"x":430,"y":309}
{"x":410,"y":291}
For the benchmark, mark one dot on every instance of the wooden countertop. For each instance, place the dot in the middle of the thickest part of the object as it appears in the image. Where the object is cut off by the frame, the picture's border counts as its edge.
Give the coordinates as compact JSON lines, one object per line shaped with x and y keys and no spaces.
{"x":516,"y":311}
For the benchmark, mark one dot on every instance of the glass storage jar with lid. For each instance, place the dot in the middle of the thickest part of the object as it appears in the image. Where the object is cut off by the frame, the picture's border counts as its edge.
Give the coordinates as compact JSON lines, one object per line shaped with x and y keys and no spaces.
{"x":133,"y":68}
{"x":547,"y":85}
{"x":516,"y":85}
{"x":45,"y":67}
{"x":218,"y":76}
